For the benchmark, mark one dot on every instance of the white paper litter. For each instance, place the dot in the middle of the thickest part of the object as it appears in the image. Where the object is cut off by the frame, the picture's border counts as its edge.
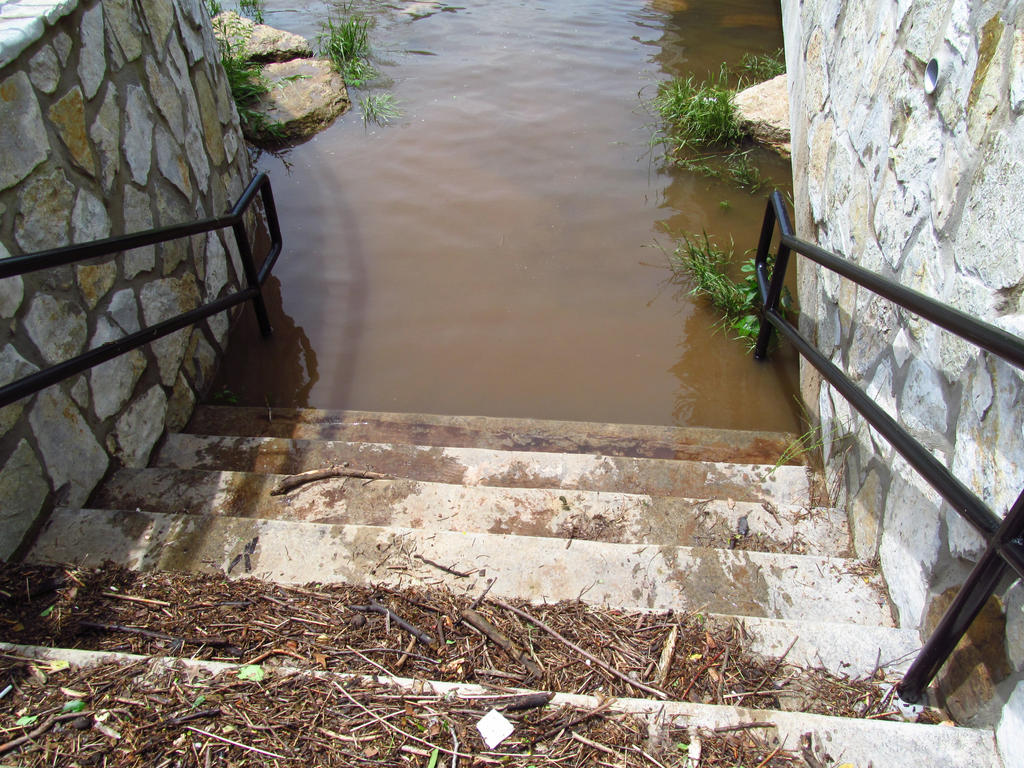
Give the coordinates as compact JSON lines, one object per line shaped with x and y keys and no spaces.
{"x":494,"y":728}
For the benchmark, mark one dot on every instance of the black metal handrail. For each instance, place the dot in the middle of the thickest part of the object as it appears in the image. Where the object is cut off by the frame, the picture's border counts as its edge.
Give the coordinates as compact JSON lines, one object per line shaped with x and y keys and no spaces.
{"x":1003,"y":536}
{"x":57,"y":257}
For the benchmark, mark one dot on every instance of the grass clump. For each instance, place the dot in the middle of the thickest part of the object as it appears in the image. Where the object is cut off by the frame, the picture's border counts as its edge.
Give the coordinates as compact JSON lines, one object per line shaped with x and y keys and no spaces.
{"x":246,"y":83}
{"x":758,"y":67}
{"x":700,"y":125}
{"x":346,"y":43}
{"x":698,"y":114}
{"x":379,"y":108}
{"x":739,"y":302}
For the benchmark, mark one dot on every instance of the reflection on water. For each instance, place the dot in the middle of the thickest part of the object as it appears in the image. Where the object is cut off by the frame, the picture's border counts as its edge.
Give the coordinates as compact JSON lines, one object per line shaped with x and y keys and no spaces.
{"x":295,"y":365}
{"x":496,"y":251}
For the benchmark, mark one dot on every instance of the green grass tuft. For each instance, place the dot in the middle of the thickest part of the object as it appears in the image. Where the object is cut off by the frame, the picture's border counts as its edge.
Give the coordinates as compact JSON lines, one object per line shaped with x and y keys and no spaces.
{"x":346,"y":43}
{"x":756,"y":68}
{"x":379,"y":108}
{"x":698,"y":114}
{"x":739,"y":302}
{"x":246,"y":83}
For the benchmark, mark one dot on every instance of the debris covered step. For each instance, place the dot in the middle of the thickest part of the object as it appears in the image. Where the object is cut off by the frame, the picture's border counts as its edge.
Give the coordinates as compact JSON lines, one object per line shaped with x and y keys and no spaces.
{"x":653,"y":442}
{"x":627,"y":576}
{"x":566,"y":514}
{"x":693,"y":656}
{"x":786,"y":484}
{"x":861,"y":742}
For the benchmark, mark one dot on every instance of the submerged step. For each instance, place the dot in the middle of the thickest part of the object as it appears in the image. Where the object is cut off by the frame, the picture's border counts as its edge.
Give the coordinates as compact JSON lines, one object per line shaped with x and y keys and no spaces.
{"x":558,"y":513}
{"x":785,"y":484}
{"x":641,"y":577}
{"x":655,"y":442}
{"x":860,"y":742}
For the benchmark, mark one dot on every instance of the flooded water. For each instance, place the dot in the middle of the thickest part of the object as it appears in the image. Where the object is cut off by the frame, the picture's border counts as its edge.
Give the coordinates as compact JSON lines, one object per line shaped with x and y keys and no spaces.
{"x":497,"y":250}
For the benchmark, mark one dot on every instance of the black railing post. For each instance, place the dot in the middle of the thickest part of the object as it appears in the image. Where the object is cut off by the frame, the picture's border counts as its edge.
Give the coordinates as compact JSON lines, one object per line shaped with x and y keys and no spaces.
{"x":775,"y":209}
{"x":252,"y":278}
{"x":979,"y":587}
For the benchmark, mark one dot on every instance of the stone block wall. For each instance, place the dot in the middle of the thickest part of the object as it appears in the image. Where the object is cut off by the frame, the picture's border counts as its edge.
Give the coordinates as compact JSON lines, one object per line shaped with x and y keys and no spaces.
{"x":925,"y":189}
{"x":115,"y":117}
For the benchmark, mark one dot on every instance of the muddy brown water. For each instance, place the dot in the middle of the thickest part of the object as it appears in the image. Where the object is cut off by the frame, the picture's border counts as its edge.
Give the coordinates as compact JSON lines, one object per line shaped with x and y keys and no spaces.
{"x":497,"y":250}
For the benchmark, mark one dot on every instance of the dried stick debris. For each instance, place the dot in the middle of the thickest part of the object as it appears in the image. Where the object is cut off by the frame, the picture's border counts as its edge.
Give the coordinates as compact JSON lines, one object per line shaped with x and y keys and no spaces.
{"x":311,"y":628}
{"x":445,"y":568}
{"x":375,"y":607}
{"x":604,"y":665}
{"x":292,"y":482}
{"x":478,"y":622}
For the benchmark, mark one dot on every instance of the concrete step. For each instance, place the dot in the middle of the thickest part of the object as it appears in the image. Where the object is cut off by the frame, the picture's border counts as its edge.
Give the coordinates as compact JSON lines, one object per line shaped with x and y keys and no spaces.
{"x":160,"y":542}
{"x":628,"y":576}
{"x":787,"y":484}
{"x":653,"y":442}
{"x":565,"y":514}
{"x":856,"y":742}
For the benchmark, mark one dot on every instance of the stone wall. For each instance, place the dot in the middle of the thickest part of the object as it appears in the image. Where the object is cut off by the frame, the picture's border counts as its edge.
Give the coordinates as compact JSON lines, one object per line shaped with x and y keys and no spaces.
{"x":115,"y":117}
{"x":924,"y":189}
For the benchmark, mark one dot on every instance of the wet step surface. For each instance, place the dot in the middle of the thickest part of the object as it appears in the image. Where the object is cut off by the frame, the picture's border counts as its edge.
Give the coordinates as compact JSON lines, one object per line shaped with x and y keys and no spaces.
{"x":784,"y":484}
{"x":537,"y":569}
{"x":641,"y":441}
{"x":549,"y":512}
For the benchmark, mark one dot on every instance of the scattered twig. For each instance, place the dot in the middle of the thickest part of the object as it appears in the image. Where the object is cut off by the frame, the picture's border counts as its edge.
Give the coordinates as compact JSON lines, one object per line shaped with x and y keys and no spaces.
{"x":668,"y":652}
{"x":605,"y":666}
{"x":481,"y":624}
{"x":775,"y":668}
{"x":656,"y":762}
{"x":582,"y":718}
{"x":743,"y":726}
{"x":274,"y":652}
{"x":213,"y":642}
{"x":237,"y":743}
{"x":771,"y":754}
{"x":445,"y":568}
{"x":398,"y":730}
{"x":594,"y":745}
{"x":51,"y":721}
{"x":375,"y":607}
{"x":132,"y":599}
{"x":490,"y":583}
{"x":405,"y":656}
{"x":528,"y":701}
{"x":292,"y":482}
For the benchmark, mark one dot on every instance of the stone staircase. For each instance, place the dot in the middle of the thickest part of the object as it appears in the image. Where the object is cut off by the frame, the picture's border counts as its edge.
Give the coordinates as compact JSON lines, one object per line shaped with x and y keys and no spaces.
{"x":629,"y":517}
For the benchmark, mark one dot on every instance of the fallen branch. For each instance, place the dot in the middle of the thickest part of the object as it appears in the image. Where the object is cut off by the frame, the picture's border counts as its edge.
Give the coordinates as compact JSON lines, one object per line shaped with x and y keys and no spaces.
{"x":604,"y":665}
{"x":375,"y":607}
{"x":493,"y":634}
{"x":594,"y":745}
{"x":528,"y":701}
{"x":667,"y":654}
{"x":445,"y":568}
{"x":292,"y":482}
{"x":743,"y":726}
